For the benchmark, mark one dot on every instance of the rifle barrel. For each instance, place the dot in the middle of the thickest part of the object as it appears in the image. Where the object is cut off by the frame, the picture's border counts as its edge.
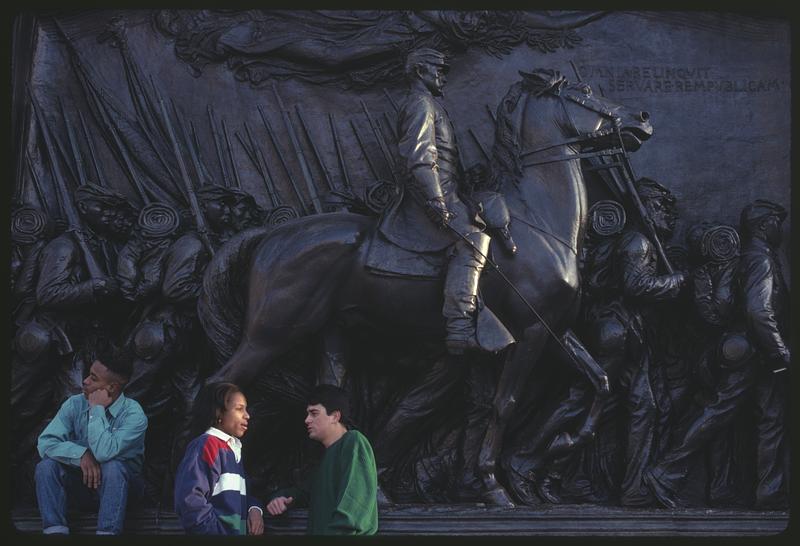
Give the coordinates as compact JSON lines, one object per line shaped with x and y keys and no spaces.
{"x":90,"y":143}
{"x":364,"y":151}
{"x":339,"y":154}
{"x":314,"y":149}
{"x":287,"y":121}
{"x":217,"y":147}
{"x":381,"y":143}
{"x":274,"y":141}
{"x":230,"y":155}
{"x":195,"y":206}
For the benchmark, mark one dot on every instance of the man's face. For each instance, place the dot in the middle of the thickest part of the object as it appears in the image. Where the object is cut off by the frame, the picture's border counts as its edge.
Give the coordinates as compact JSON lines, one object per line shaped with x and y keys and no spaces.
{"x":99,"y":378}
{"x":433,"y":77}
{"x":772,"y":230}
{"x":663,"y":216}
{"x":318,"y":423}
{"x":219,"y":214}
{"x":106,"y":220}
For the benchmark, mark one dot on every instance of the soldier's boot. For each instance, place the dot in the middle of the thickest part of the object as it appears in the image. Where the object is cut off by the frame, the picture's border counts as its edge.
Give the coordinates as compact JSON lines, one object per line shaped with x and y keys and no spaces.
{"x":504,"y":235}
{"x":461,"y":293}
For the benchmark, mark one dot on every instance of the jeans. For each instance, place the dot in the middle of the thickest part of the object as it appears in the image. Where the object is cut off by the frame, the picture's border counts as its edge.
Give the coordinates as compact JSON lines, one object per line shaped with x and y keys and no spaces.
{"x":56,"y":483}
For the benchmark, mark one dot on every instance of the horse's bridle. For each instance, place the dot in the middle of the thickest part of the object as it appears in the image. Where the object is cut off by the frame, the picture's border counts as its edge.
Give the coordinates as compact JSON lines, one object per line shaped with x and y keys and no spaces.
{"x":593,"y":107}
{"x":620,"y":160}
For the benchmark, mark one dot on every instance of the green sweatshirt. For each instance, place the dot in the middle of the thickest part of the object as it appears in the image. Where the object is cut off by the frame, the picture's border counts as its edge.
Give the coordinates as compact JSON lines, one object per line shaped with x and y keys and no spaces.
{"x":341,"y":492}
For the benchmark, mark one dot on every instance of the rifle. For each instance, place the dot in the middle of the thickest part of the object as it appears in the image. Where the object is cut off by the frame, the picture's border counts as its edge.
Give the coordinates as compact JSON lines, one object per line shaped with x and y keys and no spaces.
{"x":73,"y":220}
{"x":37,"y":184}
{"x":364,"y":151}
{"x":628,"y":177}
{"x":195,"y":206}
{"x":312,"y":190}
{"x":261,"y":165}
{"x":230,"y":154}
{"x":478,"y":143}
{"x":130,"y":171}
{"x":391,"y":100}
{"x":213,"y":124}
{"x":491,"y":113}
{"x":322,"y":165}
{"x":282,"y":160}
{"x":390,"y":126}
{"x":193,"y":152}
{"x":90,"y":142}
{"x":339,"y":155}
{"x":379,"y":138}
{"x":76,"y":154}
{"x":626,"y":172}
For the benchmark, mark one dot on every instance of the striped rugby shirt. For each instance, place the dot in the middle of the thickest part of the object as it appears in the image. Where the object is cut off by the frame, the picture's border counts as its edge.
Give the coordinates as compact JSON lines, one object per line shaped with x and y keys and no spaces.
{"x":210,"y":488}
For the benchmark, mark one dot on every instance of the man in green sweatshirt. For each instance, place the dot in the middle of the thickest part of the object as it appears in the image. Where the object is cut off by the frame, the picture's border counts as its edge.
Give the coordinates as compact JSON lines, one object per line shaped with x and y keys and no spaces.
{"x":341,"y":492}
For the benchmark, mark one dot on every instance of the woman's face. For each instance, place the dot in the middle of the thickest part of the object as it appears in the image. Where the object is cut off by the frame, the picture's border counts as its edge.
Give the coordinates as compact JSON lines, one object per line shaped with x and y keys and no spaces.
{"x":235,"y":417}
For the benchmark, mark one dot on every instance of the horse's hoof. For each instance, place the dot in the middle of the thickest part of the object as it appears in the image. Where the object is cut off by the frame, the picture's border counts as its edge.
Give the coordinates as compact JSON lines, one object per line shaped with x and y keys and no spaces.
{"x":544,"y":489}
{"x":498,"y":496}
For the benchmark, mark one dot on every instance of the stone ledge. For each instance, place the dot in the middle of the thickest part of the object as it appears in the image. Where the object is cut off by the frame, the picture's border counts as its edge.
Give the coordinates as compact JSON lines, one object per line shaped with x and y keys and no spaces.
{"x":563,"y":520}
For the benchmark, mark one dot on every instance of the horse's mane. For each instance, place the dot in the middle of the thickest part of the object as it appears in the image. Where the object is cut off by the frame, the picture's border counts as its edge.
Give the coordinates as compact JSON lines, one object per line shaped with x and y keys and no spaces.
{"x":506,"y":162}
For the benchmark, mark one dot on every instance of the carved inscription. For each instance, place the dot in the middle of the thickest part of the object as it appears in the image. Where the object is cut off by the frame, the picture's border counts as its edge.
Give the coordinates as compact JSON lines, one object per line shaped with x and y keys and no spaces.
{"x":674,"y":79}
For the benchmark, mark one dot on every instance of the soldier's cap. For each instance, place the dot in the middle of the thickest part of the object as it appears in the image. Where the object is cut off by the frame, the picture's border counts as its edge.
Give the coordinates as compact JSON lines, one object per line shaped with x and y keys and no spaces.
{"x":759,"y":209}
{"x":427,"y":55}
{"x":212,"y":192}
{"x":105,"y":196}
{"x":647,"y":188}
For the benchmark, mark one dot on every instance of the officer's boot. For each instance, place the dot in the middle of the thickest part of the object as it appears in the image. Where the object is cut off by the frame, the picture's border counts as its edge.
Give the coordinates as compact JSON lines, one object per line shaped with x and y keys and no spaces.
{"x":461,"y":293}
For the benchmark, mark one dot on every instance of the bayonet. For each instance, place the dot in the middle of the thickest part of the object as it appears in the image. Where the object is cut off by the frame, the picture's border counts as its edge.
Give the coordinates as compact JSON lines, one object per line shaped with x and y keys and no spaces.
{"x":230,"y":154}
{"x":314,"y":148}
{"x":478,"y":143}
{"x":261,"y":165}
{"x":37,"y":184}
{"x":391,"y":100}
{"x":215,"y":137}
{"x":274,"y":141}
{"x":73,"y":220}
{"x":379,"y":137}
{"x":298,"y":152}
{"x":195,"y":206}
{"x":90,"y":142}
{"x":364,"y":151}
{"x":76,"y":153}
{"x":339,"y":154}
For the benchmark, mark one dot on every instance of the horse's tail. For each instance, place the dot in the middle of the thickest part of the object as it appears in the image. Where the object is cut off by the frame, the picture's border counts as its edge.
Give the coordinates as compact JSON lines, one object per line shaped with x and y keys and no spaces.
{"x":221,"y":304}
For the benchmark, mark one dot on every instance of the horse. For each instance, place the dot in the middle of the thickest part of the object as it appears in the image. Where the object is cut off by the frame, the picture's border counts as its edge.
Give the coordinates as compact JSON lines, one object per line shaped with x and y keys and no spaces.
{"x":266,"y":291}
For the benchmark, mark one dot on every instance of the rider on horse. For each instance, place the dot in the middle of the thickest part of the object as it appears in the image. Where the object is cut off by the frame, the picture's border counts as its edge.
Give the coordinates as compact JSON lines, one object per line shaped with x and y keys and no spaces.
{"x":427,"y":145}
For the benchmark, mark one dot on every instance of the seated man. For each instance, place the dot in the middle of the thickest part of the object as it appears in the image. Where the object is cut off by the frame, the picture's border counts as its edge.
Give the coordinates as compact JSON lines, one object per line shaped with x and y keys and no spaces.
{"x":92,"y":451}
{"x":342,"y":491}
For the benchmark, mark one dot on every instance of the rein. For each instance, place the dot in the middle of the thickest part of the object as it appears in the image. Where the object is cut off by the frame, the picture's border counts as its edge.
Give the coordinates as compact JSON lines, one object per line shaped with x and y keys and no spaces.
{"x":605,"y":112}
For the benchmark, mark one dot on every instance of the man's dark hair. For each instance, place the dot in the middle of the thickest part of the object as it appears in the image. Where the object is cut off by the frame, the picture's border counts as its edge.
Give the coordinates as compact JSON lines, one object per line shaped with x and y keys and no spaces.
{"x":210,"y":402}
{"x":332,"y":398}
{"x":118,"y":360}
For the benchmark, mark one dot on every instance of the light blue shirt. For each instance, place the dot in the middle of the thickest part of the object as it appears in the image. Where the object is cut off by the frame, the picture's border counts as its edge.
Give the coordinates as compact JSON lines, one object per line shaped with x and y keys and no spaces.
{"x":113,"y":433}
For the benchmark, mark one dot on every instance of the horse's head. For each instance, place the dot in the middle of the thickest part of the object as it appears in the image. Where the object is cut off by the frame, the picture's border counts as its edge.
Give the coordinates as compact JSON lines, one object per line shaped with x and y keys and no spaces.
{"x":583,"y":106}
{"x":584,"y":118}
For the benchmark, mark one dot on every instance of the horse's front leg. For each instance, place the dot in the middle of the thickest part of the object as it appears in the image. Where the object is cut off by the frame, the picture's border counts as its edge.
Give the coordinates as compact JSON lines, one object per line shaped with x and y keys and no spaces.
{"x":512,"y":378}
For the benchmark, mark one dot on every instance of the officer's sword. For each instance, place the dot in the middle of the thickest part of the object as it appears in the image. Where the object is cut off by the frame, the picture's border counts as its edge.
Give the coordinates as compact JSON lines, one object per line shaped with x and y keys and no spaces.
{"x":601,"y":377}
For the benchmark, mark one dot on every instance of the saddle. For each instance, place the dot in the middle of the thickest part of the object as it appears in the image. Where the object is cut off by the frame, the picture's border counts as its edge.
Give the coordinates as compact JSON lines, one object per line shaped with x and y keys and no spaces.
{"x":387,"y":259}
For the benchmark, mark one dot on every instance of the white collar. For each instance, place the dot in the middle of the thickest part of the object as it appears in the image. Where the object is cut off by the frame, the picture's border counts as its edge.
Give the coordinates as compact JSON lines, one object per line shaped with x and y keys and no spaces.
{"x":234,"y":442}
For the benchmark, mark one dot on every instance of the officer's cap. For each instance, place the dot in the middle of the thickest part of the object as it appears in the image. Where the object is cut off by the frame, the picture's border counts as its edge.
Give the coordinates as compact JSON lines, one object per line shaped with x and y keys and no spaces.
{"x":426,"y":55}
